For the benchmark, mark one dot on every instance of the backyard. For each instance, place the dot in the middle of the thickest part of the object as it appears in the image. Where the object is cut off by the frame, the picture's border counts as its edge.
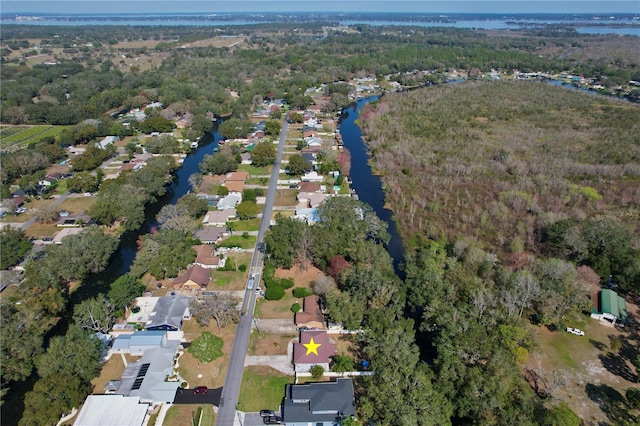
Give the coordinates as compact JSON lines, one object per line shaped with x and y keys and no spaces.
{"x":587,"y":371}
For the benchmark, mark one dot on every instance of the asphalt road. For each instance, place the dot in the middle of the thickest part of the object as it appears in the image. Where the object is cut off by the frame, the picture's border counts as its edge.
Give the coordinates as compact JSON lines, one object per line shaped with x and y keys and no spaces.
{"x":231,"y":390}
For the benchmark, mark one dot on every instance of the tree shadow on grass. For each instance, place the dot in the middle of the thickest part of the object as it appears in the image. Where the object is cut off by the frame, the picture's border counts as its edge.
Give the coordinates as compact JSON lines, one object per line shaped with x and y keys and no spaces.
{"x":598,"y":345}
{"x":611,"y":402}
{"x":617,"y":365}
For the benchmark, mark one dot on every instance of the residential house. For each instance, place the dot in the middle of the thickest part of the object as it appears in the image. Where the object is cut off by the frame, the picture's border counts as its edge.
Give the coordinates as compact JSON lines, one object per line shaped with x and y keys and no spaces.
{"x":229,"y":202}
{"x":309,"y":187}
{"x":210,"y":234}
{"x":312,"y":200}
{"x":236,"y":176}
{"x":139,"y":342}
{"x":311,"y":158}
{"x":314,"y":348}
{"x":318,"y":404}
{"x":108,"y":140}
{"x":169,"y":312}
{"x":311,"y":315}
{"x":307,"y":215}
{"x":50,"y":179}
{"x":207,"y":258}
{"x":112,"y":410}
{"x":67,"y":231}
{"x":610,"y":307}
{"x":311,"y":133}
{"x":219,"y":217}
{"x":74,"y":220}
{"x":235,"y":187}
{"x":312,"y":141}
{"x":196,"y":278}
{"x":148,"y":377}
{"x":312,"y":176}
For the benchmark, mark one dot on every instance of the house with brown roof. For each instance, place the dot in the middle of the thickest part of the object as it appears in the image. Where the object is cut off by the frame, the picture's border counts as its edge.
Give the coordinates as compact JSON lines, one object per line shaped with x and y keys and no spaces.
{"x":234,"y":187}
{"x":236,"y":176}
{"x":314,"y":349}
{"x":207,"y":258}
{"x":311,"y":315}
{"x":196,"y":278}
{"x":309,"y":187}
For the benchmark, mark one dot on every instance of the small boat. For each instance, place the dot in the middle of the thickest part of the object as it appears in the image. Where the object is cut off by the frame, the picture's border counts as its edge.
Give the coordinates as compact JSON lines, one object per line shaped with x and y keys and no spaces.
{"x":194,"y":144}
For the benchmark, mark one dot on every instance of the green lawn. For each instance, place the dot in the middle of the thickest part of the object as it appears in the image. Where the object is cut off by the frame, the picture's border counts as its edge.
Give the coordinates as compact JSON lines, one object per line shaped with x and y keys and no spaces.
{"x":253,"y":171}
{"x":179,"y":415}
{"x":246,"y":225}
{"x":245,"y":242}
{"x":262,"y":388}
{"x":27,"y":134}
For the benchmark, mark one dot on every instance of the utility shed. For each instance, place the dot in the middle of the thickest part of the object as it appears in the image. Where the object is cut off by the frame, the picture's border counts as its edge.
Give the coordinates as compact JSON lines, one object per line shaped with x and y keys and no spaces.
{"x":611,"y":306}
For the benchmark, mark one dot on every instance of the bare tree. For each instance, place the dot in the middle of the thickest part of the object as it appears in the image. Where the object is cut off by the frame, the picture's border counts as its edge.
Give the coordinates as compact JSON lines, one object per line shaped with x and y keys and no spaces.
{"x":527,"y":288}
{"x":47,"y":214}
{"x":483,"y":299}
{"x":221,"y":307}
{"x":175,"y":216}
{"x":195,"y":180}
{"x":323,"y":285}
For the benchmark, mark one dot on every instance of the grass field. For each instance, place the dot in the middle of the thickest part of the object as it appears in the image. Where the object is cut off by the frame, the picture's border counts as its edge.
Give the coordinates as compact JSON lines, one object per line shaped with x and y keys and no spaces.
{"x":16,"y":136}
{"x":262,"y":388}
{"x":182,"y":415}
{"x":245,"y":242}
{"x":586,"y":373}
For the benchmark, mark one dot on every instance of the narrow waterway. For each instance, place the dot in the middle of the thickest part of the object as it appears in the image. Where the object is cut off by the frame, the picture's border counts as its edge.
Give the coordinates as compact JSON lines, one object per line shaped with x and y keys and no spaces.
{"x":119,"y":264}
{"x":366,"y":184}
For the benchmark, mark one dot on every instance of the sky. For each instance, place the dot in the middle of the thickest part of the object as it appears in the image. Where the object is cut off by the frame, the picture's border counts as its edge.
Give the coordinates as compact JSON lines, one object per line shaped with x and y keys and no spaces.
{"x":215,"y":6}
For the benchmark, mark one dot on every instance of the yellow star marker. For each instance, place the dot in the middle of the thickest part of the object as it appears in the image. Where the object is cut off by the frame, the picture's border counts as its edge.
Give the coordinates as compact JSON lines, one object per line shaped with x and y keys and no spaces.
{"x":312,"y":347}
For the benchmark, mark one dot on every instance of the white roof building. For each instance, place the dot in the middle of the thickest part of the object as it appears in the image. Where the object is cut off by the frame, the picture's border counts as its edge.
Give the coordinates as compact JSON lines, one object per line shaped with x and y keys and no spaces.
{"x":112,"y":410}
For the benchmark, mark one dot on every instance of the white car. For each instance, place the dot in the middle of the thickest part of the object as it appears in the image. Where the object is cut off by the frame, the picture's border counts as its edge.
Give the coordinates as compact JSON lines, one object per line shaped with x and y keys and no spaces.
{"x":575,"y":331}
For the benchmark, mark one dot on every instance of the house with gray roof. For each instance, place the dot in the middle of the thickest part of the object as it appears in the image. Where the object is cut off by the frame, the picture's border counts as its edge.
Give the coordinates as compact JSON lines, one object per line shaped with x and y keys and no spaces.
{"x":210,"y":234}
{"x":139,"y":342}
{"x":148,"y":377}
{"x":318,"y":404}
{"x":229,"y":202}
{"x":168,"y":313}
{"x":112,"y":410}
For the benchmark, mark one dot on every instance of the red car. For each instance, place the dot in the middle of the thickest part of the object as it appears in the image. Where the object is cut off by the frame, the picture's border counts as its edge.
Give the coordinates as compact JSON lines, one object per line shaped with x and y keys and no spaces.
{"x":199,"y":390}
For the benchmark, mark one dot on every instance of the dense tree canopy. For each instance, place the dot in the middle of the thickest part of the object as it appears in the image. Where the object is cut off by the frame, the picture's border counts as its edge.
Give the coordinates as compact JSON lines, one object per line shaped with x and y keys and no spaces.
{"x":15,"y":246}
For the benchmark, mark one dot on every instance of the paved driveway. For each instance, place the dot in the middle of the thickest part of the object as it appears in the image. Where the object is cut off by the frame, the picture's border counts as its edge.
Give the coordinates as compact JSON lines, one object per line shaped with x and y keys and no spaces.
{"x":187,"y":397}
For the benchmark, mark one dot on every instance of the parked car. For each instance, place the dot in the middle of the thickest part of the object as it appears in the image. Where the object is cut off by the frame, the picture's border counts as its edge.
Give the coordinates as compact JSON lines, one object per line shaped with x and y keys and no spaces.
{"x":267,"y":413}
{"x":48,"y":239}
{"x":575,"y":331}
{"x":200,"y":390}
{"x":272,"y":420}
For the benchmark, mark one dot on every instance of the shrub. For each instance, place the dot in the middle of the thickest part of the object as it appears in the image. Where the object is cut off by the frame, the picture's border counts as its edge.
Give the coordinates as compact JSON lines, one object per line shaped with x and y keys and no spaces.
{"x":633,"y":397}
{"x":242,"y":267}
{"x":286,"y":283}
{"x":206,"y":347}
{"x":302,"y":292}
{"x":562,"y":415}
{"x":317,"y":371}
{"x":295,"y":308}
{"x":274,"y":292}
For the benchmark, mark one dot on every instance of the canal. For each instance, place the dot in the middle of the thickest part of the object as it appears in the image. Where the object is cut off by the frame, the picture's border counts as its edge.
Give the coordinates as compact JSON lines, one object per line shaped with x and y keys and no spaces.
{"x":364,"y":182}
